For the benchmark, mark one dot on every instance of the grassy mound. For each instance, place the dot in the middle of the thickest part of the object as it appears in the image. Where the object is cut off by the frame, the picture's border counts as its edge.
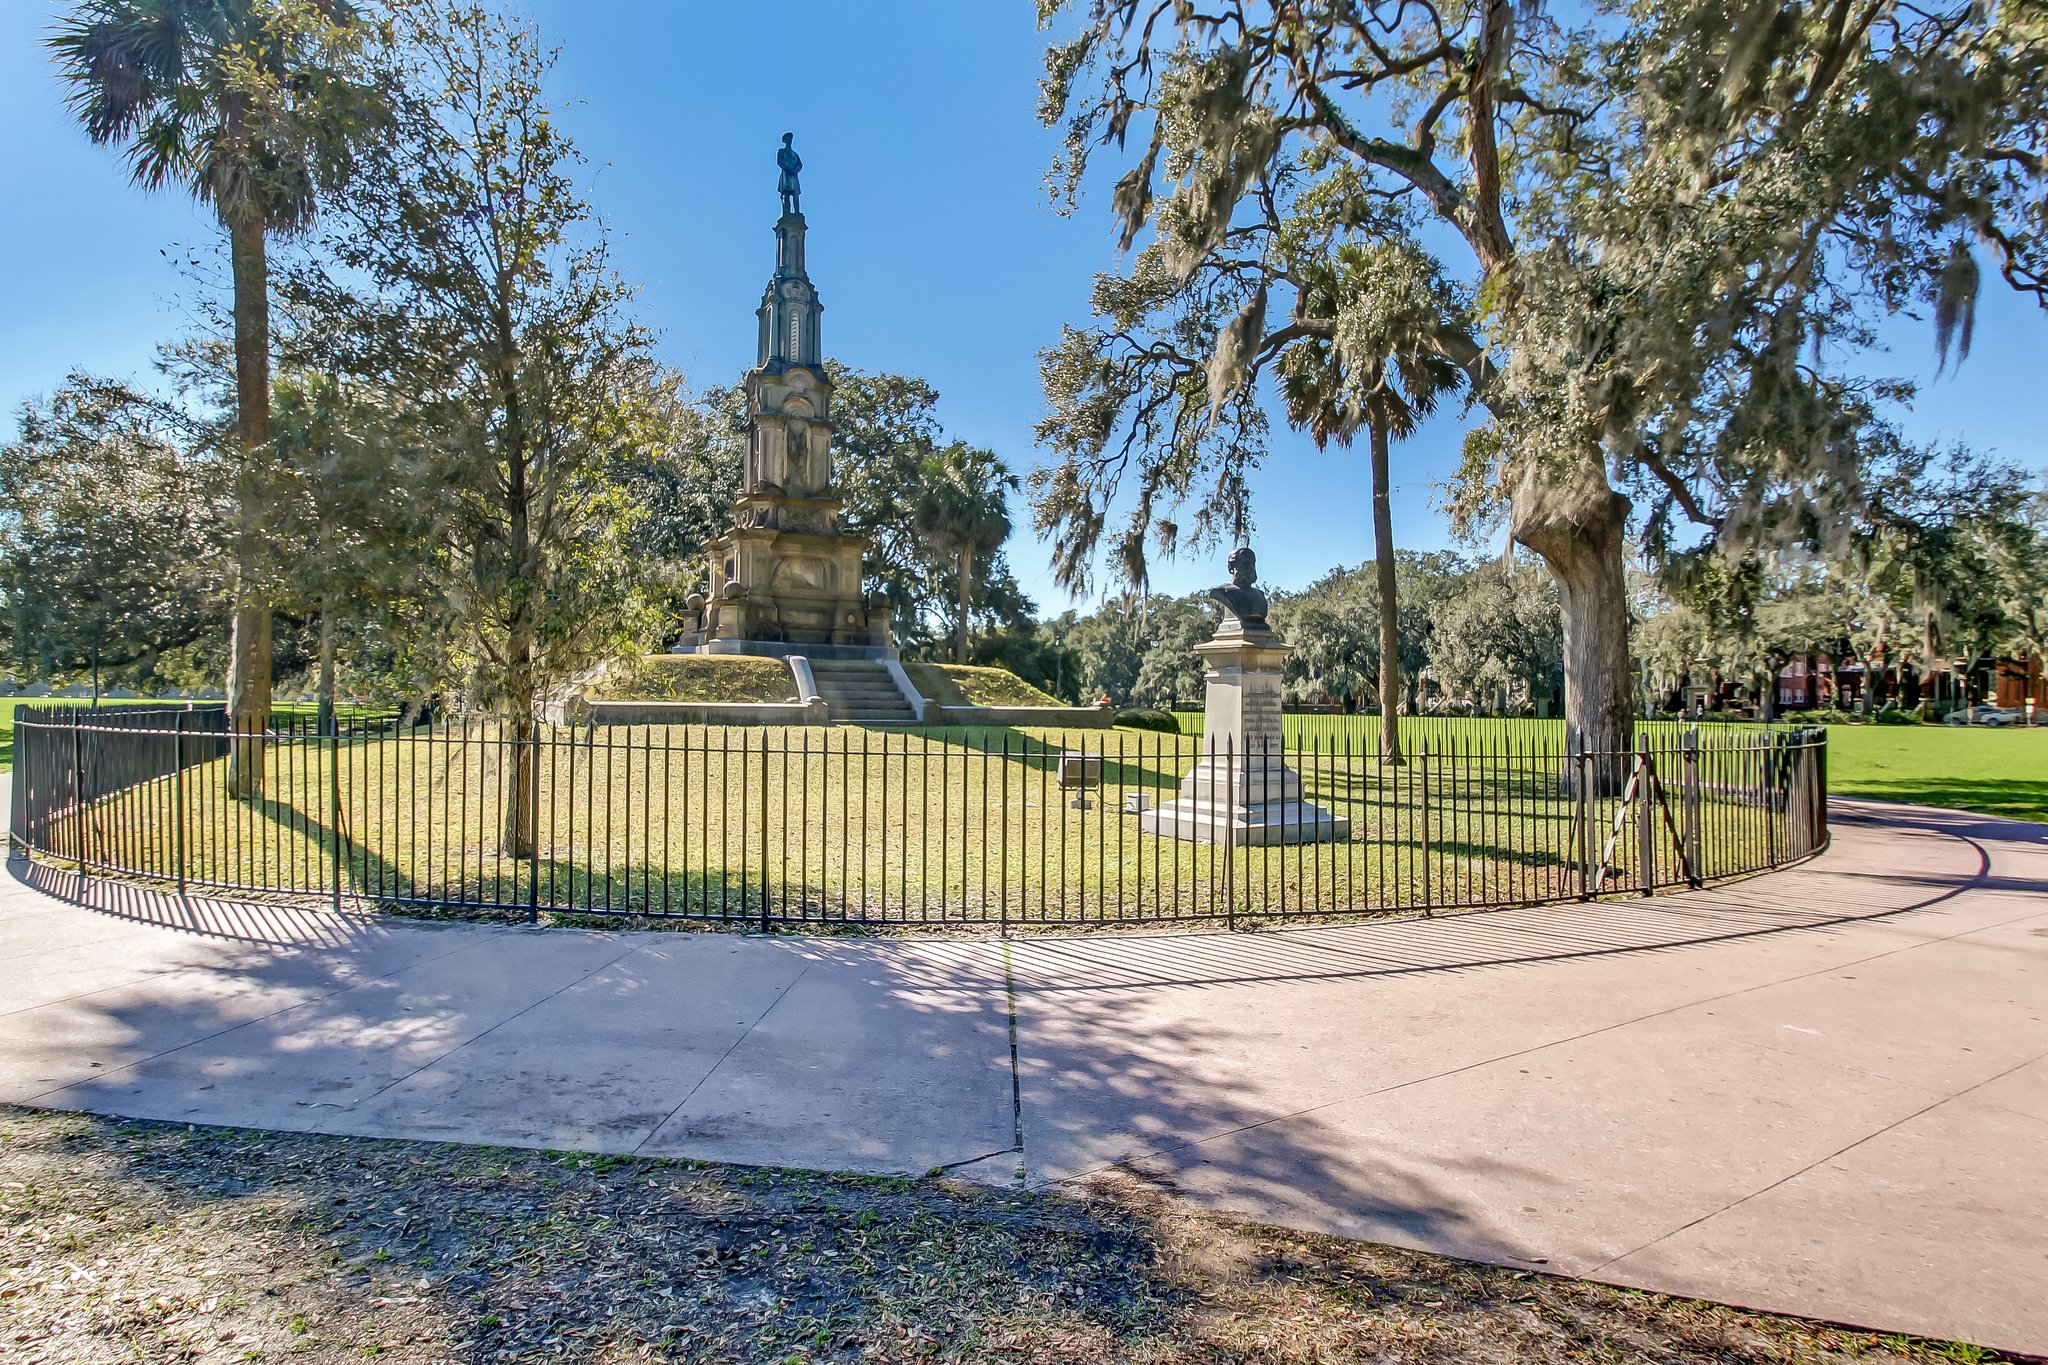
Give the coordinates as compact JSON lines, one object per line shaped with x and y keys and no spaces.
{"x":698,"y":677}
{"x":972,"y":685}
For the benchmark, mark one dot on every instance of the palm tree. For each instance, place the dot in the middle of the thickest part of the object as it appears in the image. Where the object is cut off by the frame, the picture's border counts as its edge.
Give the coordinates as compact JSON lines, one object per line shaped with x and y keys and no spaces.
{"x":961,"y":510}
{"x":248,"y":106}
{"x":1385,"y":377}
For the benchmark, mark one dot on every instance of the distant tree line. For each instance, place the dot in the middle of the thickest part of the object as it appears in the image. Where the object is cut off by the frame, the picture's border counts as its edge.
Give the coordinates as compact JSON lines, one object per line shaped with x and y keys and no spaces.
{"x":1473,"y":634}
{"x":1951,"y":566}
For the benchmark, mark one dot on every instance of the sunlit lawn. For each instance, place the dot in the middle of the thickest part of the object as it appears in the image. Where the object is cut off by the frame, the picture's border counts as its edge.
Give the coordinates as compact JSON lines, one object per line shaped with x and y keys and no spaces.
{"x":818,"y":825}
{"x":1996,"y":772}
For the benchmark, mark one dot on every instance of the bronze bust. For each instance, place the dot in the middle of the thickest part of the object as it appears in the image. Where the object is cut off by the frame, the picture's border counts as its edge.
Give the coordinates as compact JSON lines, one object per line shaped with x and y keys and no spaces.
{"x":1244,"y":605}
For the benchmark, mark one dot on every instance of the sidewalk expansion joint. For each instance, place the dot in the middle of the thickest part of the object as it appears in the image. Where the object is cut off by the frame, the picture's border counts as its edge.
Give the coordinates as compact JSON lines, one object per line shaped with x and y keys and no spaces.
{"x":723,"y":1057}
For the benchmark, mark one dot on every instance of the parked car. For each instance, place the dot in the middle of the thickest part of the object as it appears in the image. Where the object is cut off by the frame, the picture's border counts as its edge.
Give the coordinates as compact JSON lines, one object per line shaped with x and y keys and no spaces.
{"x":1984,"y":715}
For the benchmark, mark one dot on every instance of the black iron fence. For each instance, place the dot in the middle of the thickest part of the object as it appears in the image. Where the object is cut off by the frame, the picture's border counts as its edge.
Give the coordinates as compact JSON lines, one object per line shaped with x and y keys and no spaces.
{"x":918,"y":827}
{"x":167,"y":738}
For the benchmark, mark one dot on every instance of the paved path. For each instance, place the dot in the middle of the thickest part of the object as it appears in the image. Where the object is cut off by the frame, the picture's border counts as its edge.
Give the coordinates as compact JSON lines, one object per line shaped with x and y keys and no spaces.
{"x":1823,"y":1092}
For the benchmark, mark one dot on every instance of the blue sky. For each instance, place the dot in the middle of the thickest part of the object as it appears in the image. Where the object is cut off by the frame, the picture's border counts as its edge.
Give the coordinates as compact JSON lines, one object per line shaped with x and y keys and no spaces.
{"x":932,"y":240}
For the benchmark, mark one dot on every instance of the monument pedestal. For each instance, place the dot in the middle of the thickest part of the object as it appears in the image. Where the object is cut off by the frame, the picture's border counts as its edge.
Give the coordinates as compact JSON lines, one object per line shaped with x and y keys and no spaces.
{"x":1242,"y":791}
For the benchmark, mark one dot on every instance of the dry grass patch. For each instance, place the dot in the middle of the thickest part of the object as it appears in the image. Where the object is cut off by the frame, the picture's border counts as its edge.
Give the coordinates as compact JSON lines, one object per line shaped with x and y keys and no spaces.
{"x":164,"y":1242}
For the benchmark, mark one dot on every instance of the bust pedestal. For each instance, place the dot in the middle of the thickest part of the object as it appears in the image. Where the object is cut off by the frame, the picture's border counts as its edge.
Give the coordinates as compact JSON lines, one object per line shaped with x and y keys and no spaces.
{"x":1242,"y":791}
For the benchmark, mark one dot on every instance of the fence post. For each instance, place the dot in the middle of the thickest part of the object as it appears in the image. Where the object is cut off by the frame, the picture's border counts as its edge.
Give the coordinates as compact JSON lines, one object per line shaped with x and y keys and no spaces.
{"x":1646,"y":816}
{"x":1583,"y":760}
{"x":1777,"y":779}
{"x":533,"y":835}
{"x":1690,"y":788}
{"x":1237,"y":774}
{"x":78,"y":792}
{"x":1820,"y":788}
{"x":18,"y":780}
{"x":1422,"y":775}
{"x":178,"y":793}
{"x":766,"y":927}
{"x":334,"y":803}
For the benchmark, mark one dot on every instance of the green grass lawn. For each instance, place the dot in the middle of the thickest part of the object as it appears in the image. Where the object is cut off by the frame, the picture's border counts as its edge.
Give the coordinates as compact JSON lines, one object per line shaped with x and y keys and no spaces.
{"x":1994,"y":772}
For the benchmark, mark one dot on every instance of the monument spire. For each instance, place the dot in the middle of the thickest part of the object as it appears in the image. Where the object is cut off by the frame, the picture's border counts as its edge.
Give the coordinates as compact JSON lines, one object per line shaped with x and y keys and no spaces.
{"x":787,"y":576}
{"x":789,"y":308}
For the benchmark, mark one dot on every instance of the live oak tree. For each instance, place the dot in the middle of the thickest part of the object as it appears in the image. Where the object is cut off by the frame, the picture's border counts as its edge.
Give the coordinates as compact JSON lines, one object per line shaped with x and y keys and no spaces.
{"x":1338,"y":630}
{"x":1170,"y":671}
{"x":1943,"y":564}
{"x":1499,"y":637}
{"x":2021,"y":561}
{"x":1338,"y":633}
{"x":358,"y":548}
{"x":251,"y":106}
{"x":476,"y":285}
{"x":1950,"y":537}
{"x":111,"y":535}
{"x":1675,"y":222}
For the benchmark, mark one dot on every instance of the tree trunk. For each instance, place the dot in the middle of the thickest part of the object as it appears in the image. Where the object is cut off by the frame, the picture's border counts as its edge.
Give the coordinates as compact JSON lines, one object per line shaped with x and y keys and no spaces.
{"x":325,"y":713}
{"x":522,"y":810}
{"x":323,"y":720}
{"x":249,"y":637}
{"x":1390,"y":621}
{"x":1872,"y":660}
{"x":966,"y":596}
{"x":522,"y":685}
{"x":522,"y":705}
{"x":1577,"y":524}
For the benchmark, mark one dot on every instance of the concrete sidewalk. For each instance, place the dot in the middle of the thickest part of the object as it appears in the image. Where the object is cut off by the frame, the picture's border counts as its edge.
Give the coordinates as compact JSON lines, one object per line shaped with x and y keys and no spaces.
{"x":1823,"y":1091}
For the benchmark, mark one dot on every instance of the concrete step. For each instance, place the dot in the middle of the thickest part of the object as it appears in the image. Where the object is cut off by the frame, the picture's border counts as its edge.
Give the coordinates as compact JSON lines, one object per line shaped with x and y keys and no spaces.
{"x":861,"y":692}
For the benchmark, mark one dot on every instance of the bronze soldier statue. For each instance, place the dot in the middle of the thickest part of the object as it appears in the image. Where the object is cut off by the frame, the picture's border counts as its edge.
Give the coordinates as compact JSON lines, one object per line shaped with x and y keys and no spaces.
{"x":791,"y":165}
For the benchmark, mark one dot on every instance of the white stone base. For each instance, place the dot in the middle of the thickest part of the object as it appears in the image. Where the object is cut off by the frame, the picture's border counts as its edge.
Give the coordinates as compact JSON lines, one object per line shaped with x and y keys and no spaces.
{"x":1276,"y":822}
{"x":1241,"y":791}
{"x":1238,"y":802}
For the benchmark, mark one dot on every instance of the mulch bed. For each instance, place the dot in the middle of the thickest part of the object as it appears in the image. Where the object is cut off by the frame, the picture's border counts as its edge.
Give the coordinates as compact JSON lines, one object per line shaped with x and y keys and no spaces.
{"x":129,"y":1241}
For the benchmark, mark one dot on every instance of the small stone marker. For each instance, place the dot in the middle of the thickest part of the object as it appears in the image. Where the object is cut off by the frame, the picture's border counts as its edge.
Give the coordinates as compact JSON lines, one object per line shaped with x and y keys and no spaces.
{"x":1079,"y":772}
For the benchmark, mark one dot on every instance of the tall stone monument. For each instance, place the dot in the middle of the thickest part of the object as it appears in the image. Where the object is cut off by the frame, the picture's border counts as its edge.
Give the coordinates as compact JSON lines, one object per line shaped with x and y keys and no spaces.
{"x":1241,"y":791}
{"x":786,"y":574}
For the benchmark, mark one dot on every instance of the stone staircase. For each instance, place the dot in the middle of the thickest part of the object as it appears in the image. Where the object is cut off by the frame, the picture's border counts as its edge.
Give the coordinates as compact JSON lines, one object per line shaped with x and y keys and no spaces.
{"x":861,"y":693}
